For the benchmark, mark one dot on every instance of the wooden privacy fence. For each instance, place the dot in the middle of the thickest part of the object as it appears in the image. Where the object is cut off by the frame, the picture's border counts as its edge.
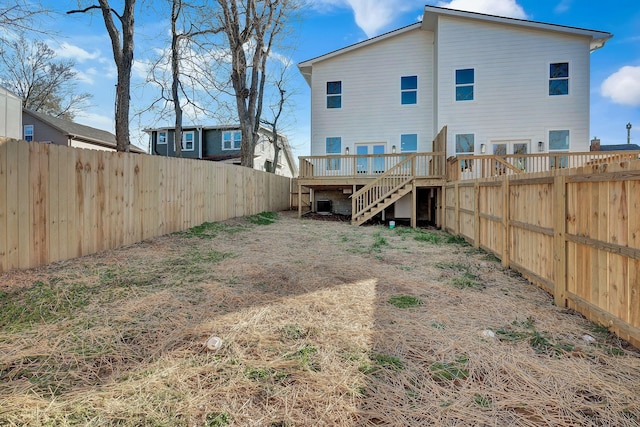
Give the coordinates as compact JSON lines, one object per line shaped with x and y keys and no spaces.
{"x":575,"y":233}
{"x":58,"y":202}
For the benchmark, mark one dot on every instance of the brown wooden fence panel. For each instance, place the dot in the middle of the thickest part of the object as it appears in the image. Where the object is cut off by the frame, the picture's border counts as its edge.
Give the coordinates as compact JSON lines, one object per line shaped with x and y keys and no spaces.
{"x":574,"y":233}
{"x":58,"y":203}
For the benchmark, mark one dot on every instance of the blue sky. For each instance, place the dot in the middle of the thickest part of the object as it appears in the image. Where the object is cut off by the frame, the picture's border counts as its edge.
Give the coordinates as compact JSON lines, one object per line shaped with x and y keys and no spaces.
{"x":327,"y":25}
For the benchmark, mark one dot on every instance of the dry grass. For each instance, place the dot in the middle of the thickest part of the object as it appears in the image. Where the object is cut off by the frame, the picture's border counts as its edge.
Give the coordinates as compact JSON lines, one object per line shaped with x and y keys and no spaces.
{"x":322,"y":324}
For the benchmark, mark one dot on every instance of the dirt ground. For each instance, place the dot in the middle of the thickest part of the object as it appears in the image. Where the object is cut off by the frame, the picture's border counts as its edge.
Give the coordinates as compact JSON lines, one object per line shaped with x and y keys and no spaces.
{"x":320,"y":324}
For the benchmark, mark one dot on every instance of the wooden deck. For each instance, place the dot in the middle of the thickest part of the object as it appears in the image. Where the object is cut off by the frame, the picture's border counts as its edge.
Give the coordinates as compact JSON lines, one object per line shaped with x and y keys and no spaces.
{"x":363,"y":169}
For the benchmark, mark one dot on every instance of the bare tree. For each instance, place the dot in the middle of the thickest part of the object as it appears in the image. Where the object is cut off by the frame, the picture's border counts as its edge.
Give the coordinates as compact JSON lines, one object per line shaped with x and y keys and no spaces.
{"x":190,"y":20}
{"x":282,"y":97}
{"x":251,"y":28}
{"x":19,"y":16}
{"x":30,"y":70}
{"x":122,"y":46}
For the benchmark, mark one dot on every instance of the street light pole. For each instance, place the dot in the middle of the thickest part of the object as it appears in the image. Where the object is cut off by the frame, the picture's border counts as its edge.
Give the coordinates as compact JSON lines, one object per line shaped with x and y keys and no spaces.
{"x":629,"y":133}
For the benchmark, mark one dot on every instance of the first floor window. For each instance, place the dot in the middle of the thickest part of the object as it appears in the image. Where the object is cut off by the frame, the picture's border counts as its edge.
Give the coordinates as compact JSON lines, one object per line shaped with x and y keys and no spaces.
{"x":334,"y":94}
{"x":162,"y":137}
{"x":409,"y":90}
{"x":559,"y":143}
{"x":465,"y":79}
{"x":231,"y":140}
{"x":333,"y":147}
{"x":28,"y":132}
{"x":187,"y":141}
{"x":409,"y":143}
{"x":465,"y":145}
{"x":559,"y":79}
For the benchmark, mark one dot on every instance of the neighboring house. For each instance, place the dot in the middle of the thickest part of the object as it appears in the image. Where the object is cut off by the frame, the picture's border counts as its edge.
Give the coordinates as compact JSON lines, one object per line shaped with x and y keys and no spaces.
{"x":222,"y":144}
{"x":44,"y":128}
{"x":494,"y":85}
{"x":10,"y":114}
{"x":596,"y":146}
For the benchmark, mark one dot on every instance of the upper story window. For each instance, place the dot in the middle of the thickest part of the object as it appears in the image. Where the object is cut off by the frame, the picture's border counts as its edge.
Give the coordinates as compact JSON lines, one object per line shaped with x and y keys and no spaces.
{"x":187,"y":141}
{"x":334,"y":146}
{"x":465,"y":80}
{"x":409,"y":143}
{"x":409,"y":90}
{"x":334,"y":94}
{"x":559,"y":79}
{"x":162,"y":137}
{"x":231,"y":140}
{"x":28,"y":132}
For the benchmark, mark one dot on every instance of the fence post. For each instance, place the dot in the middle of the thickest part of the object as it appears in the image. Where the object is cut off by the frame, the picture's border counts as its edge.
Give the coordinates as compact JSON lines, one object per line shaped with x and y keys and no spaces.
{"x":559,"y":240}
{"x":506,"y":238}
{"x":476,"y":214}
{"x":456,"y":223}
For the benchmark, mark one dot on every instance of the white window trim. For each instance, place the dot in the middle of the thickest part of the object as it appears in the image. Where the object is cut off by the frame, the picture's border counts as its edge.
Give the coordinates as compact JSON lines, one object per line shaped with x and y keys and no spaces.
{"x":548,"y":79}
{"x":166,"y":134}
{"x":24,"y":132}
{"x":184,"y":140}
{"x":327,"y":95}
{"x":232,"y":140}
{"x":416,"y":90}
{"x":399,"y":146}
{"x":474,"y":84}
{"x":567,"y":150}
{"x":469,"y":166}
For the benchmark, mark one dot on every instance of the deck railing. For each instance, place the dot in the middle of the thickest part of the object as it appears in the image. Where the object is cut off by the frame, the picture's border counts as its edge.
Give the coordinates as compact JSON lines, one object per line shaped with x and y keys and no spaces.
{"x":484,"y":166}
{"x":427,"y":165}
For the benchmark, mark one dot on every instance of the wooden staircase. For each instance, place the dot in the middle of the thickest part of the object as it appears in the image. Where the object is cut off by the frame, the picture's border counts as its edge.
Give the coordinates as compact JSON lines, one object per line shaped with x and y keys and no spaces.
{"x":384,"y":191}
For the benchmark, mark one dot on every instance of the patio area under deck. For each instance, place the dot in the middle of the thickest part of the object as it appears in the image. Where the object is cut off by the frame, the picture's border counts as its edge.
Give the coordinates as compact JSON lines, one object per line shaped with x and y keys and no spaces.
{"x":373,"y":182}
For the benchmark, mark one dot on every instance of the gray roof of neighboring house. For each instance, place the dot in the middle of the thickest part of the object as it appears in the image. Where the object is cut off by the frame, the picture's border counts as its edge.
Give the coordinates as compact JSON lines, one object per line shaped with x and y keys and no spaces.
{"x":620,"y":147}
{"x":78,"y":131}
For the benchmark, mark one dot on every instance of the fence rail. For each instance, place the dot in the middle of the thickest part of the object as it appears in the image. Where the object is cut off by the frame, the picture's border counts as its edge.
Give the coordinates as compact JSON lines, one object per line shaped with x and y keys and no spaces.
{"x":465,"y":167}
{"x":574,"y":232}
{"x":59,"y":203}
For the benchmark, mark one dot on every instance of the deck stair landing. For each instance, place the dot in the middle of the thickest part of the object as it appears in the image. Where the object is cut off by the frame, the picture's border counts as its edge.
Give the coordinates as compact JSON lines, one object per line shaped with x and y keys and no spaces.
{"x":384,"y":191}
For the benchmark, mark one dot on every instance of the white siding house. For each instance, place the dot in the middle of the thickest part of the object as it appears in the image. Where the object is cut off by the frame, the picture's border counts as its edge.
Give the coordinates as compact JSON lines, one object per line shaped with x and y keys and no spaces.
{"x":457,"y":83}
{"x":498,"y":84}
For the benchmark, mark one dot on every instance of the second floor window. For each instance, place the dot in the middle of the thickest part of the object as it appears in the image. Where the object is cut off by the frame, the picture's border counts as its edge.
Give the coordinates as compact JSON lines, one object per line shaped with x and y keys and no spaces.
{"x":231,"y":140}
{"x":162,"y":137}
{"x":559,"y":79}
{"x":465,"y":80}
{"x":409,"y":90}
{"x":334,"y":94}
{"x":28,"y":132}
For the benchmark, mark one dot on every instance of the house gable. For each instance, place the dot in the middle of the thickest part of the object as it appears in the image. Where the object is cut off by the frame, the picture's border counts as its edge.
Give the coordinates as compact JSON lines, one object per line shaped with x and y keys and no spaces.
{"x":371,"y":85}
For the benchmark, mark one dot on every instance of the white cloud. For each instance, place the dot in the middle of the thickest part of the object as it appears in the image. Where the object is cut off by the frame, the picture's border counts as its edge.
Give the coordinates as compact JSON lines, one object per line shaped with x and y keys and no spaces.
{"x":508,"y":8}
{"x":85,"y":76}
{"x":563,"y":6}
{"x":372,"y":16}
{"x":78,"y":54}
{"x":95,"y":120}
{"x":623,"y":86}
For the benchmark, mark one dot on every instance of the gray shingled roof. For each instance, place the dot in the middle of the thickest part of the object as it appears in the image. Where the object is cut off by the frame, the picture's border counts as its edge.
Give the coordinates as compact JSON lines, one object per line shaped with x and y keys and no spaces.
{"x":620,"y":147}
{"x":77,"y":130}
